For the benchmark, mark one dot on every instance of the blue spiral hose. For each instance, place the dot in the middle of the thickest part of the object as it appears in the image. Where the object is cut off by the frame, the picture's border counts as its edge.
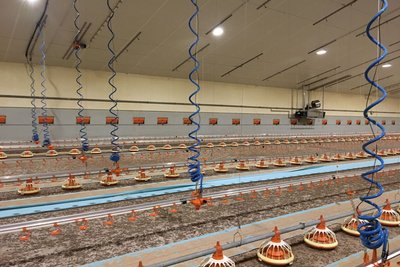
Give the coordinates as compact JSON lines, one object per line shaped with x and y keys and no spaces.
{"x":35,"y":135}
{"x":82,"y":131}
{"x":46,"y":133}
{"x":194,"y":162}
{"x":114,"y":136}
{"x":372,"y":234}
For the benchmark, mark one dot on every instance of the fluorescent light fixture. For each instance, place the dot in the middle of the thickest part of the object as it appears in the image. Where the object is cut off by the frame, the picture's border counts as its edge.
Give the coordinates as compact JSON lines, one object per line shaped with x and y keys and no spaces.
{"x":218,"y":31}
{"x":31,"y":1}
{"x":386,"y":65}
{"x":321,"y":52}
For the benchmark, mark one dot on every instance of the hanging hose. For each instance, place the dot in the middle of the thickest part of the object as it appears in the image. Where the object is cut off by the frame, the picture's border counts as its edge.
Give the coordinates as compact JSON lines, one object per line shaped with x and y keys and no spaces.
{"x":82,"y":131}
{"x":194,"y":162}
{"x":46,"y":133}
{"x":114,"y":136}
{"x":372,"y":234}
{"x":35,"y":135}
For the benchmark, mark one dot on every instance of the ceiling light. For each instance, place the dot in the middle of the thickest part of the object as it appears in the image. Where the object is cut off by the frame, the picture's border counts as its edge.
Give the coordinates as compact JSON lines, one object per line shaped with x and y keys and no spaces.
{"x":321,"y":52}
{"x":218,"y":31}
{"x":31,"y":1}
{"x":387,"y":65}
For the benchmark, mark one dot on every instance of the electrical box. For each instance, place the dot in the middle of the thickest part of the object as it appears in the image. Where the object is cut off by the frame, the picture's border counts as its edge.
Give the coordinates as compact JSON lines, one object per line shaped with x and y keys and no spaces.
{"x":112,"y":120}
{"x":349,"y":122}
{"x":235,"y":121}
{"x":162,"y":120}
{"x":187,"y":121}
{"x":276,"y":121}
{"x":256,"y":121}
{"x":393,"y":122}
{"x":138,"y":120}
{"x":82,"y":120}
{"x":3,"y":119}
{"x":213,"y":121}
{"x":293,"y":121}
{"x":383,"y":122}
{"x":358,"y":122}
{"x":324,"y":122}
{"x":338,"y":122}
{"x":46,"y":119}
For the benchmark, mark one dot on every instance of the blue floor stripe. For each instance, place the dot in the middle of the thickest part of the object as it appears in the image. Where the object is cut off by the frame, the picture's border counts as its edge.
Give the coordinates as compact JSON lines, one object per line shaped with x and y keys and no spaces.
{"x":108,"y":198}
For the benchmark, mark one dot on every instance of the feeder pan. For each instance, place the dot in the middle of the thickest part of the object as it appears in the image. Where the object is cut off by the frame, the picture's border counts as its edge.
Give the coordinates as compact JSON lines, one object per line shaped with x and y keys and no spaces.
{"x":28,"y":188}
{"x":151,"y":148}
{"x":312,"y":141}
{"x":51,"y":153}
{"x":320,"y":141}
{"x":171,"y":173}
{"x":294,"y":141}
{"x":261,"y":164}
{"x":210,"y":145}
{"x":312,"y":160}
{"x":350,"y":225}
{"x":275,"y":252}
{"x":3,"y":155}
{"x":362,"y":155}
{"x":277,"y":142}
{"x":95,"y":150}
{"x":245,"y":143}
{"x":222,"y":144}
{"x":321,"y":237}
{"x":279,"y":163}
{"x":142,"y":176}
{"x":218,"y":259}
{"x":325,"y":158}
{"x":286,"y":142}
{"x":134,"y":149}
{"x":71,"y":183}
{"x":355,"y":139}
{"x":327,"y":140}
{"x":296,"y":161}
{"x":382,"y":153}
{"x":342,"y":140}
{"x":242,"y":166}
{"x":182,"y":146}
{"x":391,"y":152}
{"x":220,"y":167}
{"x":338,"y":157}
{"x":234,"y":144}
{"x":350,"y":156}
{"x":74,"y":151}
{"x":303,"y":141}
{"x":349,"y":139}
{"x":26,"y":154}
{"x":257,"y":143}
{"x":108,"y":180}
{"x":267,"y":142}
{"x":389,"y":217}
{"x":335,"y":140}
{"x":167,"y":147}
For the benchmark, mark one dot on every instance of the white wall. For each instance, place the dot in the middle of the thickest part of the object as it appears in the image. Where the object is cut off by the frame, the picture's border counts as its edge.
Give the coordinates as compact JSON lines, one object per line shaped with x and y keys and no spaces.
{"x":61,"y":83}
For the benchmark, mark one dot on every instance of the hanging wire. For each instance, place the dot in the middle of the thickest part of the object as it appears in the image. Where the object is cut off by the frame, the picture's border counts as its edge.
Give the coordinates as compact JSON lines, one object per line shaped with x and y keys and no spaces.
{"x":35,"y":135}
{"x":115,"y":157}
{"x":372,"y":234}
{"x":194,"y":162}
{"x":46,"y":133}
{"x":77,"y":47}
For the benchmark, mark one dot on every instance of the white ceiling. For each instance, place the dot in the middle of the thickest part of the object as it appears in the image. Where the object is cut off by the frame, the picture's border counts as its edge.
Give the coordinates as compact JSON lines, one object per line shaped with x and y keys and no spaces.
{"x":282,"y":30}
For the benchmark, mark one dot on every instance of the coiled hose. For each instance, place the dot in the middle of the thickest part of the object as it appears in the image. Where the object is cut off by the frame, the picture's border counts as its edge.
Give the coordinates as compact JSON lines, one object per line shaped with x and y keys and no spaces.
{"x":114,"y":135}
{"x":46,"y":133}
{"x":35,"y":135}
{"x":194,"y":162}
{"x":82,"y":131}
{"x":372,"y":234}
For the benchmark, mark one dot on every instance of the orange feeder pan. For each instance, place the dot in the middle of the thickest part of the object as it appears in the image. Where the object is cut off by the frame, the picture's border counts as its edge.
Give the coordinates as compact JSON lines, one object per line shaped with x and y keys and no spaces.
{"x":321,"y":237}
{"x":391,"y":152}
{"x":325,"y":158}
{"x":296,"y":161}
{"x":3,"y":155}
{"x":275,"y":252}
{"x":245,"y":143}
{"x":182,"y":146}
{"x":51,"y":153}
{"x":389,"y":217}
{"x":303,"y":141}
{"x":28,"y":188}
{"x":222,"y":144}
{"x":342,"y":140}
{"x":286,"y":142}
{"x":218,"y":259}
{"x":171,"y":173}
{"x":210,"y":145}
{"x":234,"y":144}
{"x":350,"y":225}
{"x":312,"y":160}
{"x":96,"y":150}
{"x":261,"y":164}
{"x":142,"y":176}
{"x":327,"y":140}
{"x":267,"y":142}
{"x":362,"y":155}
{"x":335,"y":140}
{"x":71,"y":183}
{"x":109,"y":180}
{"x":74,"y":151}
{"x":279,"y":163}
{"x":257,"y":143}
{"x":167,"y":147}
{"x":295,"y":141}
{"x":312,"y":141}
{"x":242,"y":166}
{"x":26,"y":154}
{"x":277,"y":142}
{"x":338,"y":157}
{"x":382,"y":153}
{"x":133,"y":149}
{"x":151,"y":148}
{"x":350,"y":156}
{"x":220,"y":167}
